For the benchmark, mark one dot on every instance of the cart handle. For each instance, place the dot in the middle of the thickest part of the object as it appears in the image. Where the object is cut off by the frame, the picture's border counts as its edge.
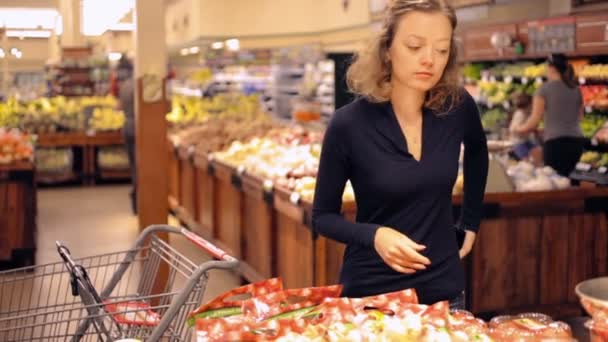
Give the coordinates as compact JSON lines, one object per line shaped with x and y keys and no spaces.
{"x":209,"y":247}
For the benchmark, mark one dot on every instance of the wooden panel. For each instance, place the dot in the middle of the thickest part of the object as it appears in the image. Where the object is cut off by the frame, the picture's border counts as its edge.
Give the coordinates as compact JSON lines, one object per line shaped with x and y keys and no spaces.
{"x":228,"y":215}
{"x":581,"y":249}
{"x":205,"y":200}
{"x":328,"y":261}
{"x":187,"y":184}
{"x":554,"y":260}
{"x":173,"y":173}
{"x":592,"y":34}
{"x":523,"y":265}
{"x":487,"y":271}
{"x":294,"y":257}
{"x":258,"y":234}
{"x":601,"y":246}
{"x":477,"y":44}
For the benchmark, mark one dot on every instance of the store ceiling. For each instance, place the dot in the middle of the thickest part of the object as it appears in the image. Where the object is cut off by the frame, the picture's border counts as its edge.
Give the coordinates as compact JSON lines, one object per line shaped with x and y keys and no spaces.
{"x":29,"y":3}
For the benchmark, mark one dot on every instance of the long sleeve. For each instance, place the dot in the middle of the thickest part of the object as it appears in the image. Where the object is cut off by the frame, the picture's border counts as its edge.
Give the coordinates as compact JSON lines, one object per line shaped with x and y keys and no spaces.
{"x":334,"y":171}
{"x":475,"y":167}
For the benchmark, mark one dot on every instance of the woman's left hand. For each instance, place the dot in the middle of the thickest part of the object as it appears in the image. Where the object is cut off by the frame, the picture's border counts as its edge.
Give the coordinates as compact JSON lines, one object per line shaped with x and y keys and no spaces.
{"x":467,"y":245}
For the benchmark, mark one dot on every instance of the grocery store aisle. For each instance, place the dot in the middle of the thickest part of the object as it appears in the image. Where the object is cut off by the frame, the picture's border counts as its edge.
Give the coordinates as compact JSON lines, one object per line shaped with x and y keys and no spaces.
{"x":97,"y":220}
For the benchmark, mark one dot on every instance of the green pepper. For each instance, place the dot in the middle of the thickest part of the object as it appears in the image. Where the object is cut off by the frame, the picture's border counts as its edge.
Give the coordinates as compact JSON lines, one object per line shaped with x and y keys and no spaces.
{"x":216,"y":313}
{"x":293,"y":314}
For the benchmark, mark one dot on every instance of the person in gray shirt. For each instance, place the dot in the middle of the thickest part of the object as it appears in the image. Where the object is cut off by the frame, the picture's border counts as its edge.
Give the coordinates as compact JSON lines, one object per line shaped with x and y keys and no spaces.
{"x":561,"y":103}
{"x":126,"y":96}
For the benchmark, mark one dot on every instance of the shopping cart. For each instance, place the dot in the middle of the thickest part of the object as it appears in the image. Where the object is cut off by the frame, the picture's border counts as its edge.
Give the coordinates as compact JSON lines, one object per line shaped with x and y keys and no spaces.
{"x":46,"y":303}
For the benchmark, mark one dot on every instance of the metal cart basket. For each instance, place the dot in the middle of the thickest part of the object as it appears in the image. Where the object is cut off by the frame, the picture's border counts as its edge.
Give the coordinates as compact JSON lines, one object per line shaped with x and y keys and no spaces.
{"x":48,"y":303}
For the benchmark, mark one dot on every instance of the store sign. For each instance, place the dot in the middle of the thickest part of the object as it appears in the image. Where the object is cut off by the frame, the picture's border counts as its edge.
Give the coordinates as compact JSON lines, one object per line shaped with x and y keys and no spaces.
{"x":552,"y":35}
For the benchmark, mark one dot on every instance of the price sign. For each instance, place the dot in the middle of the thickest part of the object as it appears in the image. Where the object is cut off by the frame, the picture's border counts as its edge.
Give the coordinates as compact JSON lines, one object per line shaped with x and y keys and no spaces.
{"x":582,"y":80}
{"x":539,"y":80}
{"x":603,"y":170}
{"x":588,"y":109}
{"x":583,"y":167}
{"x":508,"y":79}
{"x":524,"y":80}
{"x":506,"y":105}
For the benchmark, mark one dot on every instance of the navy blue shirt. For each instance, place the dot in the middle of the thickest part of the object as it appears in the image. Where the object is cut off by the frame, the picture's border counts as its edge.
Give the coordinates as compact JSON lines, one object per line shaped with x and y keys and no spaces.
{"x":365,"y":144}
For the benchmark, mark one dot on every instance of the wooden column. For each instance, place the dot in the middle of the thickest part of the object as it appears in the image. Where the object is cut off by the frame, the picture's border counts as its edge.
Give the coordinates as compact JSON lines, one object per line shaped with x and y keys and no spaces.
{"x":150,"y":125}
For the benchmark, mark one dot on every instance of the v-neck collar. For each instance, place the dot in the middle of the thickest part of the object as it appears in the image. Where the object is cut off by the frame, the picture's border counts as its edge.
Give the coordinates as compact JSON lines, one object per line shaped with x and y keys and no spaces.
{"x":388,"y":125}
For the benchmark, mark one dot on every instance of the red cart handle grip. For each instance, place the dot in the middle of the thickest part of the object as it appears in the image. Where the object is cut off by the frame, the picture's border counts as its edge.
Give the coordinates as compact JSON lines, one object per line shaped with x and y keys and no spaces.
{"x":212,"y":249}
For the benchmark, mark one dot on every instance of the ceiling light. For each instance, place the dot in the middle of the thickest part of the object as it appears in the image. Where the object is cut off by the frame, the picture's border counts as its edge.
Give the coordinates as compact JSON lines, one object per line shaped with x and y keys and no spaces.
{"x":184,"y":52}
{"x":2,"y":54}
{"x":194,"y":49}
{"x":233,"y":44}
{"x":14,"y":51}
{"x":217,"y":45}
{"x":19,"y":54}
{"x":99,"y":16}
{"x":28,"y":33}
{"x":114,"y":56}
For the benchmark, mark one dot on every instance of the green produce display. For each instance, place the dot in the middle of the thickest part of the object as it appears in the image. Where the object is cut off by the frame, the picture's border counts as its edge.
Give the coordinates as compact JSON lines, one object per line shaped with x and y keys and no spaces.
{"x":113,"y":158}
{"x":53,"y":160}
{"x":591,"y":123}
{"x":494,"y":119}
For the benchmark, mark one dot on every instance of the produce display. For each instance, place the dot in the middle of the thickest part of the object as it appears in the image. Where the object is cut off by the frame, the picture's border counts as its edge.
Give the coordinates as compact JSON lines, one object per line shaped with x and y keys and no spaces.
{"x":594,"y":71}
{"x":289,"y":157}
{"x":527,"y":177}
{"x":591,"y":123}
{"x":49,"y":115}
{"x":15,"y":146}
{"x":186,"y":110}
{"x":494,"y":119}
{"x":113,"y":158}
{"x":319,"y":314}
{"x":595,"y":95}
{"x":106,"y":119}
{"x":54,"y":160}
{"x":602,"y":134}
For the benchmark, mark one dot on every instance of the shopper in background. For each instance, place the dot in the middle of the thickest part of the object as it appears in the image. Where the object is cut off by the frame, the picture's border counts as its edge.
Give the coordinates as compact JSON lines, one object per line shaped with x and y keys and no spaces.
{"x":523,"y":142}
{"x":399,"y":145}
{"x":561,"y":103}
{"x":126,"y":94}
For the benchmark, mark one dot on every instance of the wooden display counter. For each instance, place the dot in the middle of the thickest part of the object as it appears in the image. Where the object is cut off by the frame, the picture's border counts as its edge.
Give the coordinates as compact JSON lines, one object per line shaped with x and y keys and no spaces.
{"x":531,"y":251}
{"x":17,"y":215}
{"x":87,"y":144}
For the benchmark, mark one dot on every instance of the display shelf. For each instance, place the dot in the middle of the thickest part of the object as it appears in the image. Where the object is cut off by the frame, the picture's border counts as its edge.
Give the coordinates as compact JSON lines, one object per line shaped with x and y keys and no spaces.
{"x":115,"y":174}
{"x":55,"y":178}
{"x":17,"y":215}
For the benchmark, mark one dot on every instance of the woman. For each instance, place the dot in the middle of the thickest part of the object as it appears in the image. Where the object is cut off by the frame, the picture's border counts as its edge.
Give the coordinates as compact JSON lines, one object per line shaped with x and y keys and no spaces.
{"x":561,"y":102}
{"x":399,"y":145}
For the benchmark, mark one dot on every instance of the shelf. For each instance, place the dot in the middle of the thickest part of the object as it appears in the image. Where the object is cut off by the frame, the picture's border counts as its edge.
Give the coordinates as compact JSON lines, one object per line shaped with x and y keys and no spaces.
{"x":52,"y":178}
{"x":115,"y":174}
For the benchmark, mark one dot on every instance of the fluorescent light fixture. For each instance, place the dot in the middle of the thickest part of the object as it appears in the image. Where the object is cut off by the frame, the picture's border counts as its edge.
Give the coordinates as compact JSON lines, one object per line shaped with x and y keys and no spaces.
{"x":59,"y":25}
{"x":233,"y":44}
{"x":99,"y":16}
{"x":194,"y":49}
{"x":28,"y":33}
{"x":28,"y":18}
{"x":217,"y":45}
{"x":184,"y":52}
{"x":114,"y":56}
{"x":122,"y":27}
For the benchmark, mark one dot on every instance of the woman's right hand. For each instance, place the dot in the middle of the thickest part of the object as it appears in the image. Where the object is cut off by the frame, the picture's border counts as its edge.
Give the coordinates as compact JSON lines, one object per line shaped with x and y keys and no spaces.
{"x":400,"y":252}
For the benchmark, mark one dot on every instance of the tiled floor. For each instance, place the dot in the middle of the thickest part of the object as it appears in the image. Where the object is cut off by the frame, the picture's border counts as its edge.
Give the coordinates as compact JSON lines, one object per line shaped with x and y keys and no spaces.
{"x":97,"y":220}
{"x":90,"y":221}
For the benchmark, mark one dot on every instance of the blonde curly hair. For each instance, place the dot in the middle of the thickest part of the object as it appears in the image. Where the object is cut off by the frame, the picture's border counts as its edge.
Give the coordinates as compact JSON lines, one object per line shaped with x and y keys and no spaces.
{"x":370,"y":74}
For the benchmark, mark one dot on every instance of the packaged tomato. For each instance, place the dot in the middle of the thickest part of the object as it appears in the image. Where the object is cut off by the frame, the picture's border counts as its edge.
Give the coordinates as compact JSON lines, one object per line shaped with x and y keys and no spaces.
{"x":227,"y":305}
{"x":529,"y":327}
{"x":597,"y":332}
{"x":292,"y":303}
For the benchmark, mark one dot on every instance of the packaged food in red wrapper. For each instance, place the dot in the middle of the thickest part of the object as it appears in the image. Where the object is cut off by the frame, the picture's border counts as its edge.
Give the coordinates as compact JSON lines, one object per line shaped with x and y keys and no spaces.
{"x":225,"y":306}
{"x":529,"y":327}
{"x":292,"y":303}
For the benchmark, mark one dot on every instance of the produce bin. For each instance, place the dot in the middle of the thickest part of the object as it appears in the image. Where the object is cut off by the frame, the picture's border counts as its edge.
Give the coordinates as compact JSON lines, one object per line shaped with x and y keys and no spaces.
{"x":258,"y":226}
{"x":17,"y":215}
{"x":228,"y":199}
{"x":187,"y":180}
{"x":204,"y":194}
